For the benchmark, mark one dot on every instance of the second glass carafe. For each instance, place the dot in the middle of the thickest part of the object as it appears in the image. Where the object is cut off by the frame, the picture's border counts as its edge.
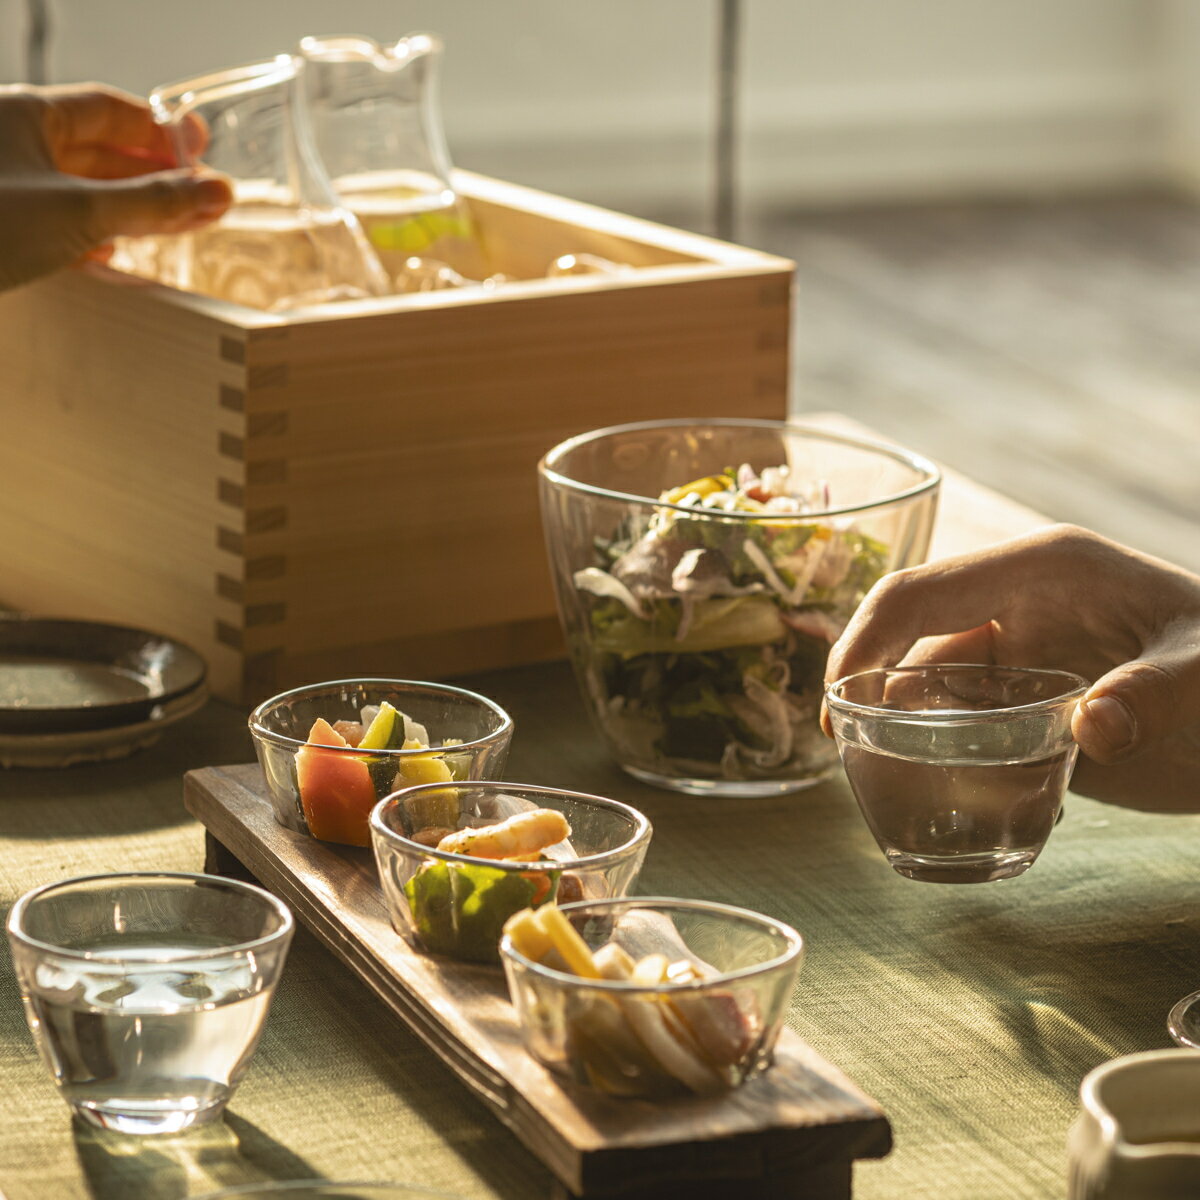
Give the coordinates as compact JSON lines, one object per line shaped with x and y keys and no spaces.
{"x":378,"y":131}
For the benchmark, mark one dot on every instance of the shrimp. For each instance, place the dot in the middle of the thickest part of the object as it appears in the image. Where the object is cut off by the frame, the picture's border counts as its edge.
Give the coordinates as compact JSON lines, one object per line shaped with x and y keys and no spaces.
{"x":519,"y":835}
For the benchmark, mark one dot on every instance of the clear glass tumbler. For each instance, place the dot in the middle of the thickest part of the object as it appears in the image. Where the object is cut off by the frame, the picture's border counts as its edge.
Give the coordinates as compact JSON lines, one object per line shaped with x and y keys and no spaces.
{"x":147,"y":993}
{"x":959,"y":769}
{"x":699,"y":634}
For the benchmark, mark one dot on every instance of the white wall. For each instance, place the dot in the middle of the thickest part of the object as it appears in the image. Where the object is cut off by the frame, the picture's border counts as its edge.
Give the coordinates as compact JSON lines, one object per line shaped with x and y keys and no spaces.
{"x":1181,"y":74}
{"x":840,"y":99}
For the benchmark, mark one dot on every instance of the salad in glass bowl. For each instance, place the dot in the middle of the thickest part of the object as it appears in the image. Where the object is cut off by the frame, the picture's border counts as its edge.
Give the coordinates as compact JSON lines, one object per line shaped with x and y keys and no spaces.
{"x":703,"y":570}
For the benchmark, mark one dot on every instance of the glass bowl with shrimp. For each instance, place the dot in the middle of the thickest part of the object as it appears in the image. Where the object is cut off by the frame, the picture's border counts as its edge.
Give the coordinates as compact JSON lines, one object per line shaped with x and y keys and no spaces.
{"x":456,"y":860}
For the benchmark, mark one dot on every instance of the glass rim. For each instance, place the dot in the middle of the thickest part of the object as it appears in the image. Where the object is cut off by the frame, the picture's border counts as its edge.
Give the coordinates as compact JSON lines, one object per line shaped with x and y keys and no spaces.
{"x":953,"y":716}
{"x":258,"y":730}
{"x":548,"y":470}
{"x":341,"y":48}
{"x":17,"y":933}
{"x":642,"y":832}
{"x":169,"y":101}
{"x":792,"y":953}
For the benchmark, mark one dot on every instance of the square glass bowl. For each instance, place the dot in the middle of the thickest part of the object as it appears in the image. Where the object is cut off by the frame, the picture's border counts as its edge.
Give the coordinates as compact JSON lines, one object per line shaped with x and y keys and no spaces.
{"x":703,"y":1035}
{"x":959,"y":769}
{"x":456,"y":904}
{"x":699,"y":634}
{"x":328,"y":791}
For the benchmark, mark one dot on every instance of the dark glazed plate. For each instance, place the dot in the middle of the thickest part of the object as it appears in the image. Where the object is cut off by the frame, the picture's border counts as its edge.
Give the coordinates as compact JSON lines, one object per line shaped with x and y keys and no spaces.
{"x":63,"y":676}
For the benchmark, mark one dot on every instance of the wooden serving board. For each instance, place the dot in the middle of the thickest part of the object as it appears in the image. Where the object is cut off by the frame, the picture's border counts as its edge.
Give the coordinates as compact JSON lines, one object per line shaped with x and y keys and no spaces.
{"x":794,"y":1131}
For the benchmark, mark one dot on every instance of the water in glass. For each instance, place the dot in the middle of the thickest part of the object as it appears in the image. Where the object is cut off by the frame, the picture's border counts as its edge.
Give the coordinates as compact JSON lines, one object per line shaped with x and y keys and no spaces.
{"x":968,"y":823}
{"x":148,"y":1049}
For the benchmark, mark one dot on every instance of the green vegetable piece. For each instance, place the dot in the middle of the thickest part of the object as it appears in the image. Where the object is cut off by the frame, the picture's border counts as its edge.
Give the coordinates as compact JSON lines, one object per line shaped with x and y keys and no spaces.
{"x":383,"y":776}
{"x":379,"y":733}
{"x":460,"y":910}
{"x":717,"y":624}
{"x":386,"y":732}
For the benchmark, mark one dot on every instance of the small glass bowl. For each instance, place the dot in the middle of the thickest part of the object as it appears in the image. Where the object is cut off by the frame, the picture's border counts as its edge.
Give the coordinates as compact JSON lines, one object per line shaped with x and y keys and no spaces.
{"x":959,"y":769}
{"x":478,"y":727}
{"x":699,"y":635}
{"x":610,"y":1035}
{"x":456,"y":905}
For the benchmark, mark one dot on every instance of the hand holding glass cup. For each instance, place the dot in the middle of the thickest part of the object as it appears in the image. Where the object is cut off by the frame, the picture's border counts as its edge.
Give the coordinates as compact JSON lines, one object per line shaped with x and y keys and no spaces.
{"x":959,"y":770}
{"x":147,"y":993}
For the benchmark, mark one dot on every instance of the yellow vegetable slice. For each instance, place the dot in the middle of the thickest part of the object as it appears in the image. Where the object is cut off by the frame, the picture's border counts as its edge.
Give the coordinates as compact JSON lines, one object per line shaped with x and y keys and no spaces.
{"x":421,"y":768}
{"x":702,"y":487}
{"x":613,"y":962}
{"x":527,"y":935}
{"x":650,"y":970}
{"x":574,"y":950}
{"x":438,"y":808}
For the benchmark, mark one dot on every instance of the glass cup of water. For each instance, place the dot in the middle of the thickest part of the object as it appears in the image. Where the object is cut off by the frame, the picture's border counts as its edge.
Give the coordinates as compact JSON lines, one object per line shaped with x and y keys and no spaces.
{"x":959,"y":770}
{"x":147,"y":993}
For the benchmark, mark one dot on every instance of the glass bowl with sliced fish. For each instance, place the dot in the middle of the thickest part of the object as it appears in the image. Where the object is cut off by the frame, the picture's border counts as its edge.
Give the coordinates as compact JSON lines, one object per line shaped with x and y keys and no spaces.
{"x":331,"y":751}
{"x":651,"y":997}
{"x":703,"y":570}
{"x":457,"y":860}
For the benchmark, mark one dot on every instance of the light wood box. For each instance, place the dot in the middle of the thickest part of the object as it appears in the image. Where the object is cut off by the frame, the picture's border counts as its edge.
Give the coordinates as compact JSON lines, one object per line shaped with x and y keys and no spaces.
{"x":352,"y":490}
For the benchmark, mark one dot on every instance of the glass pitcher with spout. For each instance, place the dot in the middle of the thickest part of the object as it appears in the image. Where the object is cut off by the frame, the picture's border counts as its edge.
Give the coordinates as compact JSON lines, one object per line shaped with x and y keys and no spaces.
{"x":378,"y":130}
{"x":286,"y":241}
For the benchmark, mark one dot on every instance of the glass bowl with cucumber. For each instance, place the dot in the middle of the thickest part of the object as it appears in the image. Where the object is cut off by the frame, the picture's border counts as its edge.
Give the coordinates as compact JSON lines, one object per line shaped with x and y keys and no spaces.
{"x":331,"y":751}
{"x":456,"y":860}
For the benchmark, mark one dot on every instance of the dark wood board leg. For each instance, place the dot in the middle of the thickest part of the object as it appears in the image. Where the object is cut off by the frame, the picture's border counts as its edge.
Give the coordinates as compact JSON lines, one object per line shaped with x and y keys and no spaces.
{"x":218,"y":860}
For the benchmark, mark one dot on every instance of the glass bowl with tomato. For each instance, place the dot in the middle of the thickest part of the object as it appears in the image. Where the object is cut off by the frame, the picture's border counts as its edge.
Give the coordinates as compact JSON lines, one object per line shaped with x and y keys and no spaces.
{"x":331,"y":751}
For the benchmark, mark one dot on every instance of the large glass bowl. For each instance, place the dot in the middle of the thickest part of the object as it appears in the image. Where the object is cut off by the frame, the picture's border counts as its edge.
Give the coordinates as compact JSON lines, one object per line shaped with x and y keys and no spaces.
{"x":708,"y":1027}
{"x":328,"y":791}
{"x":699,"y":637}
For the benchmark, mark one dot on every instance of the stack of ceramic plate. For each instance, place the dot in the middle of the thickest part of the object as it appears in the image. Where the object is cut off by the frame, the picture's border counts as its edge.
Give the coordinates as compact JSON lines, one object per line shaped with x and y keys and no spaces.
{"x":81,"y":691}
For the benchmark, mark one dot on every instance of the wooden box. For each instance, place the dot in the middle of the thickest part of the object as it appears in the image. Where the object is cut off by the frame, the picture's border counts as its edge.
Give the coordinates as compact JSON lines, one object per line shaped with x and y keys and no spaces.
{"x":352,"y":490}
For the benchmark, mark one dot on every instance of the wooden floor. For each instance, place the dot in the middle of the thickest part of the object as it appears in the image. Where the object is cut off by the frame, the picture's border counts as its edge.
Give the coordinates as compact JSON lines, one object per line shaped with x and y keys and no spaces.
{"x":1048,"y":349}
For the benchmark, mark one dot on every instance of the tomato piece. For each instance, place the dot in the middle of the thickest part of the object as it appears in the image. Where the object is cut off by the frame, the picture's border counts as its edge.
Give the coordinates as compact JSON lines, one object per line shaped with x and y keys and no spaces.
{"x":336,"y":791}
{"x":541,"y":881}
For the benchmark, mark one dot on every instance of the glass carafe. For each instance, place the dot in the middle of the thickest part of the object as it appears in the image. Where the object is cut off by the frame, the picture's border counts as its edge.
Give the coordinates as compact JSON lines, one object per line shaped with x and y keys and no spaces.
{"x":378,"y":130}
{"x":286,"y":241}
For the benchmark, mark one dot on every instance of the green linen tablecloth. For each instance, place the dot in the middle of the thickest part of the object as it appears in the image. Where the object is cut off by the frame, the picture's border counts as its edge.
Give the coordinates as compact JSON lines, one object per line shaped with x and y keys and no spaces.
{"x":970,"y":1013}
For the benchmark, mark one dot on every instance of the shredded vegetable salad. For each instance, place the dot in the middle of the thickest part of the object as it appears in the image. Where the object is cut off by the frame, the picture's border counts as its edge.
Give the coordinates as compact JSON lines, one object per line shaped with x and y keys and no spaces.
{"x":708,"y":633}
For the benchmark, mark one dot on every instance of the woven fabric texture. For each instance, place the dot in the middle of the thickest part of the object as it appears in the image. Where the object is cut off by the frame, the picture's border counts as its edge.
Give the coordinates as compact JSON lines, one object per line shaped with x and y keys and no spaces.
{"x":970,"y":1013}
